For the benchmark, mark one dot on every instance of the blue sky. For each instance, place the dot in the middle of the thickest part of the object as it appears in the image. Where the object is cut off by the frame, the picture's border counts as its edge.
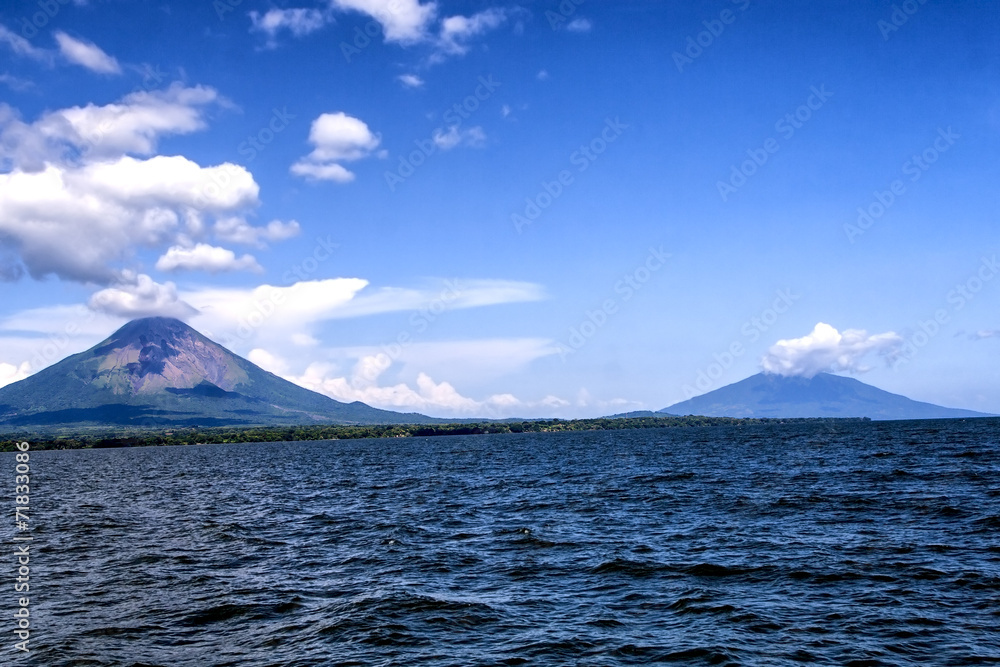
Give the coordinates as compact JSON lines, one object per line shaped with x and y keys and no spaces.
{"x":533,"y":209}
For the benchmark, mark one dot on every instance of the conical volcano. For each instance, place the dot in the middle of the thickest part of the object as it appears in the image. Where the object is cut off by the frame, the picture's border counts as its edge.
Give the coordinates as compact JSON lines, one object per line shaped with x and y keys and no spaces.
{"x":158,"y":371}
{"x":823,"y":395}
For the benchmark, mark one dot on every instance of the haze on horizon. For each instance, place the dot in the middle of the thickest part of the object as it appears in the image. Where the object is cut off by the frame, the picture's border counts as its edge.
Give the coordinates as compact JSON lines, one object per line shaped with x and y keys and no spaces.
{"x":528,"y":209}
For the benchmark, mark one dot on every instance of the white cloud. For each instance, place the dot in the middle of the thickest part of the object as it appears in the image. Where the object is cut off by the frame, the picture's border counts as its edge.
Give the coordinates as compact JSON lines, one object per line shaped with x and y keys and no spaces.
{"x":471,"y":363}
{"x":75,"y":222}
{"x":74,"y":204}
{"x":20,"y":45}
{"x":411,"y":80}
{"x":404,"y":21}
{"x":267,"y":361}
{"x":364,"y":382}
{"x":827,"y":350}
{"x":10,"y":373}
{"x":450,"y":295}
{"x":457,"y":31}
{"x":336,"y":138}
{"x":323,"y":172}
{"x":269,"y":312}
{"x":286,"y":318}
{"x":204,"y":257}
{"x":86,"y":54}
{"x":238,"y":230}
{"x":296,"y":308}
{"x":133,"y":125}
{"x":15,"y":83}
{"x":985,"y":333}
{"x":542,"y":75}
{"x":304,"y":340}
{"x":579,"y":25}
{"x":474,"y":137}
{"x":505,"y":110}
{"x":141,"y":296}
{"x":408,"y":22}
{"x":439,"y":398}
{"x":299,"y":22}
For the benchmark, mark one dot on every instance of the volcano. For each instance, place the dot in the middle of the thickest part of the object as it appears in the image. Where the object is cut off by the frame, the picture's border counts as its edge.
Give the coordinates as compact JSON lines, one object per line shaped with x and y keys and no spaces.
{"x":160,"y":372}
{"x":824,"y":395}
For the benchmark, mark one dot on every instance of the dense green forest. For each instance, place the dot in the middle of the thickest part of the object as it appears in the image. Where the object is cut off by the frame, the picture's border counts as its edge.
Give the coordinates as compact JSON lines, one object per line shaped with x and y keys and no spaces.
{"x":123,"y":437}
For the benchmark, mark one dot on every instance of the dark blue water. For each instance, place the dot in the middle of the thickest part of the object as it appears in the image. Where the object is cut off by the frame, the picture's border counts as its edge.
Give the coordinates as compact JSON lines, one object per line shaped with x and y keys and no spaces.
{"x":864,"y":544}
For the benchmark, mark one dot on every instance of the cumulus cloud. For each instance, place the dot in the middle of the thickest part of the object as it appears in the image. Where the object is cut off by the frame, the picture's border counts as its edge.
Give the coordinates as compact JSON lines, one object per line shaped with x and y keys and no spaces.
{"x":411,"y":80}
{"x":75,"y":222}
{"x":86,"y":54}
{"x":299,"y":22}
{"x":238,"y":230}
{"x":457,"y":31}
{"x":10,"y":373}
{"x":76,"y":201}
{"x":826,"y":350}
{"x":579,"y":25}
{"x":267,"y":361}
{"x":474,"y":137}
{"x":336,"y":138}
{"x":427,"y":396}
{"x":323,"y":172}
{"x":204,"y":257}
{"x":365,"y":380}
{"x":409,"y":22}
{"x":404,"y":21}
{"x":132,"y":125}
{"x":141,"y":296}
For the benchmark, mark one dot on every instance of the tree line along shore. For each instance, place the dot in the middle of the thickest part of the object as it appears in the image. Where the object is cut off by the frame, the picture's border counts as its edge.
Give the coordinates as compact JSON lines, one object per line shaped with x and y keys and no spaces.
{"x":101,"y":438}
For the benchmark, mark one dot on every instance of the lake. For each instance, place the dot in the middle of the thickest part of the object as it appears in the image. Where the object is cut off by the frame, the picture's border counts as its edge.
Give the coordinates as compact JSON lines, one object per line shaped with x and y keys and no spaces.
{"x":851,"y":544}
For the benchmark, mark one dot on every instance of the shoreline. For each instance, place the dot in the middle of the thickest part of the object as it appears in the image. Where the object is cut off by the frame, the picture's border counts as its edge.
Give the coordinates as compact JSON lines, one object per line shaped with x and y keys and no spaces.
{"x":108,"y":438}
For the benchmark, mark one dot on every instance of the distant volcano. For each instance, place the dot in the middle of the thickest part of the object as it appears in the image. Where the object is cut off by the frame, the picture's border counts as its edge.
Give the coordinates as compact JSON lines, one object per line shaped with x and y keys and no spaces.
{"x":824,"y":395}
{"x":159,"y":371}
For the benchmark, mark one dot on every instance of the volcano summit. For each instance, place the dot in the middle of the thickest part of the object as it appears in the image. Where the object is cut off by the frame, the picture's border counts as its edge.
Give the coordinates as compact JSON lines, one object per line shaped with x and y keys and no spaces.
{"x":159,"y":371}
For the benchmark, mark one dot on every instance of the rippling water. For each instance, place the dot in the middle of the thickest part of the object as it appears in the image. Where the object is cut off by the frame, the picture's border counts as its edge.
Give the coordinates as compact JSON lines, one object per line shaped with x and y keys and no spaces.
{"x":863,"y":544}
